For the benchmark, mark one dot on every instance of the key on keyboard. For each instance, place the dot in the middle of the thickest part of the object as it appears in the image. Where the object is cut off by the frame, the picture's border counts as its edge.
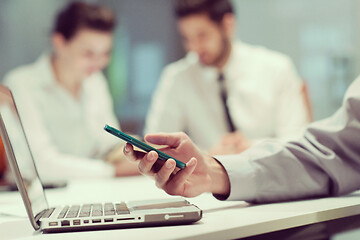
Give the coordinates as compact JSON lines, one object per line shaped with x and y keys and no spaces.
{"x":73,"y":211}
{"x":109,"y":209}
{"x":48,"y":213}
{"x":97,"y":210}
{"x":85,"y":210}
{"x":121,"y":208}
{"x":63,"y":212}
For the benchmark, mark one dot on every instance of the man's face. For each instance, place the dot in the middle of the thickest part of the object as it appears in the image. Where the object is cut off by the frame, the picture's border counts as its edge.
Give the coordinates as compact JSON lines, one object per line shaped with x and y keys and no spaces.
{"x":205,"y":37}
{"x":87,"y":52}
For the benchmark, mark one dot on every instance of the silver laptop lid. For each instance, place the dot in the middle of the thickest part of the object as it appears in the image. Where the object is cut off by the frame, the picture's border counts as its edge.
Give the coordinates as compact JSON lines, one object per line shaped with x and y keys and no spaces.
{"x":20,"y":157}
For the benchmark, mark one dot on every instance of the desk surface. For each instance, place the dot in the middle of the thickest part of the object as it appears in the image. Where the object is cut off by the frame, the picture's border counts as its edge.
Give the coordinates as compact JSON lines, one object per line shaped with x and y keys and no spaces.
{"x":221,"y":220}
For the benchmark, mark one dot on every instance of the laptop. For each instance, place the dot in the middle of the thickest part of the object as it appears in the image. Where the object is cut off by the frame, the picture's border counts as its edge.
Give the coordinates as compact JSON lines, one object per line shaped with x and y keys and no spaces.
{"x":77,"y":217}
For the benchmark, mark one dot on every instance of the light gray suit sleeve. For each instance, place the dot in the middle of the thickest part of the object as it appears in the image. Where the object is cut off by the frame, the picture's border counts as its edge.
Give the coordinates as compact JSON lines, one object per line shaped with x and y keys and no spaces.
{"x":324,"y":162}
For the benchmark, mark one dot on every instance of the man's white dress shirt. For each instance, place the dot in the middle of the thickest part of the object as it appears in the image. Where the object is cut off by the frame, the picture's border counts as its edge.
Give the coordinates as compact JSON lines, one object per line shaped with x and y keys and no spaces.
{"x":324,"y":162}
{"x":65,"y":134}
{"x":264,"y":97}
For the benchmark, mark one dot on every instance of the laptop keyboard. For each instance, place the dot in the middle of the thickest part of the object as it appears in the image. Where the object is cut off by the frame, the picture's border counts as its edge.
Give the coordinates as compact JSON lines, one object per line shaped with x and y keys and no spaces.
{"x":94,"y":210}
{"x":48,"y":213}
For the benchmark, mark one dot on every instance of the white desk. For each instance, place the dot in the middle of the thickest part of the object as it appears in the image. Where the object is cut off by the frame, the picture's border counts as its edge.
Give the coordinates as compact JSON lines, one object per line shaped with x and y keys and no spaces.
{"x":221,"y":220}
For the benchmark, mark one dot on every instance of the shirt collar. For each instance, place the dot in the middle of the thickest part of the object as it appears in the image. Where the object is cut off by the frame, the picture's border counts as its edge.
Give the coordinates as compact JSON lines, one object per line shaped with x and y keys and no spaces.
{"x":236,"y":65}
{"x":211,"y":73}
{"x":44,"y":66}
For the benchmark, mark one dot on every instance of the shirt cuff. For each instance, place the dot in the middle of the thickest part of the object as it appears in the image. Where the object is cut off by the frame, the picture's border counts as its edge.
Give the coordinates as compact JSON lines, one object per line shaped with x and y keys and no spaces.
{"x":242,"y":177}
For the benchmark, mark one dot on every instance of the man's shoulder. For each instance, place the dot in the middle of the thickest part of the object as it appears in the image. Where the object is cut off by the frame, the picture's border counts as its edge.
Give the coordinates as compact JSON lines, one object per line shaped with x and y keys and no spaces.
{"x":264,"y":55}
{"x":178,"y":75}
{"x":184,"y":66}
{"x":354,"y":89}
{"x":20,"y":75}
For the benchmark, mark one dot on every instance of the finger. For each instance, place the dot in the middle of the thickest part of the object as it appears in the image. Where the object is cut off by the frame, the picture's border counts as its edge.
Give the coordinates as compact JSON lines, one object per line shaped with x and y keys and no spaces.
{"x":176,"y":185}
{"x":147,"y":163}
{"x":132,"y":155}
{"x":164,"y":173}
{"x":157,"y":166}
{"x":170,"y":139}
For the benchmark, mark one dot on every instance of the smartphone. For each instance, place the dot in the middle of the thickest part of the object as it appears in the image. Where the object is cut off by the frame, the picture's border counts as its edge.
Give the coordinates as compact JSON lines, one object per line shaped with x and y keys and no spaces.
{"x":141,"y":145}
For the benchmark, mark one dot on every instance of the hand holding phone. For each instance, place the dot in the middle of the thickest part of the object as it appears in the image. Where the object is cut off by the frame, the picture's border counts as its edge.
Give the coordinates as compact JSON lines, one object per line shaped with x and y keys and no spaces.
{"x":141,"y":145}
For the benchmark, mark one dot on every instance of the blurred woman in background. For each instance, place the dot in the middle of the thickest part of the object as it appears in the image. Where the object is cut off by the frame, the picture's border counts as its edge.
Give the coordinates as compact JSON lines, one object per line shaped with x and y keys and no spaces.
{"x":64,"y":101}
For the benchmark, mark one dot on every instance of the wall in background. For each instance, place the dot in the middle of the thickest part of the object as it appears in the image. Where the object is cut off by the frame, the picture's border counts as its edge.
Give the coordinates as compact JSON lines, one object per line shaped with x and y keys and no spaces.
{"x":321,"y":36}
{"x":24,"y":31}
{"x":146,"y":42}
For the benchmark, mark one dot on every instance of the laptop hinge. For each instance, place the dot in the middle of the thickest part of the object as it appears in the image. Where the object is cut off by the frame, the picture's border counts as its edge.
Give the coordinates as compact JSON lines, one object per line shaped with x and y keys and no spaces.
{"x":40,"y":214}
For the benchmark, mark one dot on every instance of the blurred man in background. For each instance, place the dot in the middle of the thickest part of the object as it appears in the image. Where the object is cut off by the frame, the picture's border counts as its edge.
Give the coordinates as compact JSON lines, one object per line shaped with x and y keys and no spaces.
{"x":64,"y":101}
{"x":225,"y":94}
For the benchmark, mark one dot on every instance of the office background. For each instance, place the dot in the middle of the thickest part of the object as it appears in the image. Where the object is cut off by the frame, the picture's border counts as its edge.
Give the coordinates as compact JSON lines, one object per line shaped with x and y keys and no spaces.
{"x":321,"y":36}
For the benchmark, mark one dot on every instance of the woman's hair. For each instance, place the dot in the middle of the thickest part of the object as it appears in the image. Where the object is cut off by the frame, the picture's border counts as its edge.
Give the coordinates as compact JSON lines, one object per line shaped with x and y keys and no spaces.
{"x":80,"y":15}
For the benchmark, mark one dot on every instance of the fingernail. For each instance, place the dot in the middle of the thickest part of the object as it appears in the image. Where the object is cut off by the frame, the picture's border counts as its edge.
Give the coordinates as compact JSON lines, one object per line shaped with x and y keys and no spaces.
{"x":126,"y":149}
{"x":191,"y":162}
{"x":169,"y":164}
{"x":151,"y":157}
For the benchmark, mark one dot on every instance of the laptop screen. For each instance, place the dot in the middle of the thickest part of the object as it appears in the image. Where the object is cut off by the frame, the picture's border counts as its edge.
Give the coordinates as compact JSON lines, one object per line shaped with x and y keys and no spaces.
{"x":16,"y":145}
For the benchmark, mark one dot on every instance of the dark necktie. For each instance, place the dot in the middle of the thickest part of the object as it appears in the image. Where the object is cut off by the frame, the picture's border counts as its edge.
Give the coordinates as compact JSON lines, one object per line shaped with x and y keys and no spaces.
{"x":223,"y":95}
